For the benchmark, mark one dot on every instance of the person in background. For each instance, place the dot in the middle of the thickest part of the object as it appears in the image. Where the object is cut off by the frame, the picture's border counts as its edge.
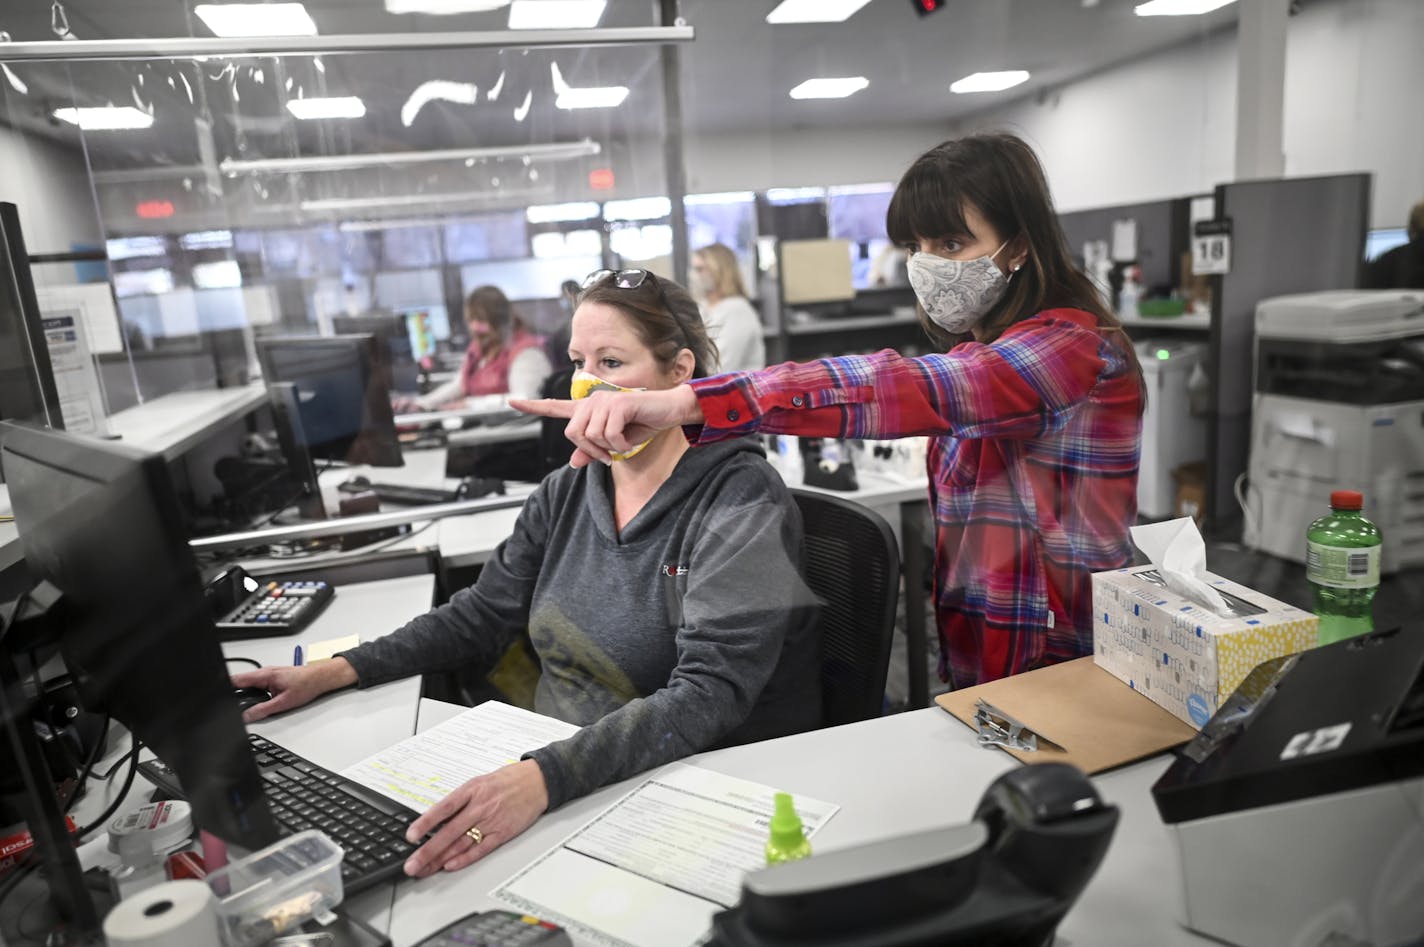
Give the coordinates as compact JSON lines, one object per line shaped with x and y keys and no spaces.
{"x":503,"y":357}
{"x":735,"y":326}
{"x":662,"y":594}
{"x":1034,"y":409}
{"x":1402,"y":267}
{"x":556,"y":344}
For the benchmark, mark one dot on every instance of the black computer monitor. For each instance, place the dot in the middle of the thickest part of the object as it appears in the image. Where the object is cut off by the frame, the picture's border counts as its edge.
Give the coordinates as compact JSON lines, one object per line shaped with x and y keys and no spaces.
{"x":100,"y":523}
{"x":398,"y":367}
{"x":344,"y":405}
{"x":27,"y":389}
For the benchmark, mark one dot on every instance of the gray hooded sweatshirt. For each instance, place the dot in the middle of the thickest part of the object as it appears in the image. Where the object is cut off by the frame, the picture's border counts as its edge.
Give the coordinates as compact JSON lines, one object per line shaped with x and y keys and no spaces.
{"x":691,"y":628}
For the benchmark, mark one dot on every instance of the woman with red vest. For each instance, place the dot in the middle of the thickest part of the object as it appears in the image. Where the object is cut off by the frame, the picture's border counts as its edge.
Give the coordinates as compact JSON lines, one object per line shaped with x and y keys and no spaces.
{"x":504,"y":356}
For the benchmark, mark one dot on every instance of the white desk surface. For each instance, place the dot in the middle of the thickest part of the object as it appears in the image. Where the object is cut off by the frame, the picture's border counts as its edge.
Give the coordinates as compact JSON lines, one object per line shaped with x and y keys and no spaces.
{"x":895,"y":775}
{"x":172,"y":424}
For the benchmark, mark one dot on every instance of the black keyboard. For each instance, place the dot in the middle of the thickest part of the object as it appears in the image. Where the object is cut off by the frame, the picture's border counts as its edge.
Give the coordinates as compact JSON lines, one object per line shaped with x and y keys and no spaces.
{"x":399,"y":493}
{"x":369,"y":827}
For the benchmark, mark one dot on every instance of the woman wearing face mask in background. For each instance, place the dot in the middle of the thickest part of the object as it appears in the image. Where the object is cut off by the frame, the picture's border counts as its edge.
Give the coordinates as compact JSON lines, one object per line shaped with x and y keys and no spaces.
{"x":1034,"y":412}
{"x":732,"y":322}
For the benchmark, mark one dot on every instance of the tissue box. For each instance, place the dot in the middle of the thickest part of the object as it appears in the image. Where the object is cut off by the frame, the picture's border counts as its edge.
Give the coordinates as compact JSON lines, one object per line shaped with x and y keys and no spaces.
{"x":1185,"y":657}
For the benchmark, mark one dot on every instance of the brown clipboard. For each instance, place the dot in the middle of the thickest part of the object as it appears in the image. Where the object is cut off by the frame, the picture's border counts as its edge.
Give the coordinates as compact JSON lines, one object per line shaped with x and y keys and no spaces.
{"x":1081,"y":713}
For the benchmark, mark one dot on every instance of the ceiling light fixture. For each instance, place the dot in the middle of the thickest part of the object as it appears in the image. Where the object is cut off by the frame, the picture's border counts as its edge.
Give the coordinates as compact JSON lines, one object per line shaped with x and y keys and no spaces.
{"x":989,"y":81}
{"x":637,"y":208}
{"x":105,"y":118}
{"x":1179,"y":7}
{"x":521,"y":111}
{"x":341,"y":106}
{"x":557,"y":213}
{"x":555,"y":14}
{"x":561,"y":151}
{"x":592,"y":97}
{"x":443,"y":7}
{"x":814,"y":11}
{"x":837,"y":88}
{"x":256,"y":19}
{"x":437,"y":90}
{"x":341,"y":204}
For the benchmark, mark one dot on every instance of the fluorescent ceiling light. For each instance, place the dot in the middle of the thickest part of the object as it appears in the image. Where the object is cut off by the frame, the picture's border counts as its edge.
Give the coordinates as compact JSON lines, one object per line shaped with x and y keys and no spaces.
{"x":1179,"y":7}
{"x":837,"y":190}
{"x":830,"y":88}
{"x":106,"y":118}
{"x":443,"y":7}
{"x":795,"y":195}
{"x":342,"y":106}
{"x":989,"y":81}
{"x":553,"y":151}
{"x":206,"y":240}
{"x":437,"y":90}
{"x":256,"y":19}
{"x":593,"y":97}
{"x":521,"y":111}
{"x":638,"y":208}
{"x":814,"y":11}
{"x":555,"y":14}
{"x":551,"y":213}
{"x":724,"y":197}
{"x":126,"y":248}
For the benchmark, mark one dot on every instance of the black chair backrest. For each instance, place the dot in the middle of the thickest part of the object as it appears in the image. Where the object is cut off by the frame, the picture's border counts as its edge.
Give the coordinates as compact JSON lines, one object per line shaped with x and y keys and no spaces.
{"x":853,"y":566}
{"x":554,"y":448}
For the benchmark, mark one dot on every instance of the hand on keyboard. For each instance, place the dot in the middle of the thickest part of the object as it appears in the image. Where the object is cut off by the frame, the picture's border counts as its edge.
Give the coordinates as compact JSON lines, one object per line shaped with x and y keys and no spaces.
{"x":291,"y":687}
{"x":501,"y":805}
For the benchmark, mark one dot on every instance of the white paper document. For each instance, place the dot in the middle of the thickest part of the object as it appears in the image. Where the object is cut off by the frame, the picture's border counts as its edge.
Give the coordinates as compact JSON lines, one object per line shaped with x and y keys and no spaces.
{"x":652,"y":869}
{"x":421,"y":770}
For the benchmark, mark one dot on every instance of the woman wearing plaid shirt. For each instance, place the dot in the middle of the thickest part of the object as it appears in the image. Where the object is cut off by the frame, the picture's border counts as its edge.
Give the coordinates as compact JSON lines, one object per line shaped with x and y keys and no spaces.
{"x":1034,"y":411}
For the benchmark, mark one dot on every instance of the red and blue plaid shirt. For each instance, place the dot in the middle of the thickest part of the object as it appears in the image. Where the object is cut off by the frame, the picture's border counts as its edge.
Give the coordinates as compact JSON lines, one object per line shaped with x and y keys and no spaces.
{"x":1032,"y":462}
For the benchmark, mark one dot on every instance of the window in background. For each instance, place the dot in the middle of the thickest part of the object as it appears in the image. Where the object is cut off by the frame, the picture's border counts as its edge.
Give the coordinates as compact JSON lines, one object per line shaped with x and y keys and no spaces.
{"x":410,"y":247}
{"x":857,"y":213}
{"x":528,"y":279}
{"x":487,"y":237}
{"x":127,"y":248}
{"x":143,"y":282}
{"x":641,"y":243}
{"x":206,"y":240}
{"x":219,"y":274}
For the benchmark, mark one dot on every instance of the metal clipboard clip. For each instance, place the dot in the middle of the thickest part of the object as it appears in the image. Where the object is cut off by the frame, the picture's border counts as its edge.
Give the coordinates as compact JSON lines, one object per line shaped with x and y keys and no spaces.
{"x":997,"y":728}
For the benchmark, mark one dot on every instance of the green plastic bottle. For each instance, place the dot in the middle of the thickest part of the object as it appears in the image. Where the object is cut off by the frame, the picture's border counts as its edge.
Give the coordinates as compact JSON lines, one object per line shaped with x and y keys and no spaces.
{"x":1342,"y":562}
{"x":787,"y":841}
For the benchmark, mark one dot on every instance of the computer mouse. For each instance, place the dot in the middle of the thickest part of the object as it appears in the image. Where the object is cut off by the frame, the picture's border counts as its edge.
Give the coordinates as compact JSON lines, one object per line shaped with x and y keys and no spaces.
{"x":248,"y":696}
{"x":356,"y":484}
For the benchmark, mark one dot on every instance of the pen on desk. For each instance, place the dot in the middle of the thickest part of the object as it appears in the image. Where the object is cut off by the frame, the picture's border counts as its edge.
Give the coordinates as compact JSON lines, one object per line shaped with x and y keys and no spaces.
{"x":297,"y":656}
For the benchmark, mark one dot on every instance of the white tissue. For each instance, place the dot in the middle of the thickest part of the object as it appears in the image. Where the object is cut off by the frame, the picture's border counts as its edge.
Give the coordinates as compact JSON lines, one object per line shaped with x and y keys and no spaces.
{"x":1179,"y":553}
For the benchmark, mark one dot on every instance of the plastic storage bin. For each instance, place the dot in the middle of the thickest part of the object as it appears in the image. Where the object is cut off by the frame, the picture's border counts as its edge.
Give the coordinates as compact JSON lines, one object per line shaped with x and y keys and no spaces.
{"x":275,"y":889}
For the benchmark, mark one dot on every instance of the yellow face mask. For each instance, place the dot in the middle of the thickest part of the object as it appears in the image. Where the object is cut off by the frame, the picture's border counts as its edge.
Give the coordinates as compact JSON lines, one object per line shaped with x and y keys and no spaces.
{"x":584,"y":384}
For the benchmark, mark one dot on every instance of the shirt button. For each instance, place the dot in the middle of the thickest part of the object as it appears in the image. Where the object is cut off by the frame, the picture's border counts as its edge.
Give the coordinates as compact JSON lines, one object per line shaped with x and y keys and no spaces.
{"x":797,"y":401}
{"x":734,"y":415}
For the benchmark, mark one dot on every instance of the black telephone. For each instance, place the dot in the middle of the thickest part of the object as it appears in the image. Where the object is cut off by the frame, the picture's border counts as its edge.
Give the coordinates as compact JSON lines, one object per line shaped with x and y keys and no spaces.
{"x":1004,"y":879}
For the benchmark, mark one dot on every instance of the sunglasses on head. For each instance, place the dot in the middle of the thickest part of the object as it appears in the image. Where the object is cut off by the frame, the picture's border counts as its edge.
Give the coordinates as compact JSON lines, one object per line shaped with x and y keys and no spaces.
{"x":632,"y":279}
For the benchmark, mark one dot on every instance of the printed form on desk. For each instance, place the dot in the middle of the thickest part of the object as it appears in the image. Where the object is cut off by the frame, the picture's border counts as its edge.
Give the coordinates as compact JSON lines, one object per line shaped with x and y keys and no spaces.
{"x":652,"y":869}
{"x":421,"y":770}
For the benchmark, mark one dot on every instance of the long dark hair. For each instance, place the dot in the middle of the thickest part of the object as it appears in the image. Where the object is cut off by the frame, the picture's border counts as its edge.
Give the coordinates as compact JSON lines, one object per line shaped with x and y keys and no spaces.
{"x":1001,"y":177}
{"x":664,"y":316}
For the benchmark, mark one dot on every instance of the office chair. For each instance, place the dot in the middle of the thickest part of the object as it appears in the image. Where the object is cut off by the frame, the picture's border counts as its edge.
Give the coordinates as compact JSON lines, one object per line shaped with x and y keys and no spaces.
{"x":853,"y":567}
{"x":554,"y":448}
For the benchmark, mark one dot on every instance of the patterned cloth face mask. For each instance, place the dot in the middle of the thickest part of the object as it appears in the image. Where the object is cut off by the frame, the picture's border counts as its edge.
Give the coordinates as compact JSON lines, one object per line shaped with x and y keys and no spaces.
{"x":956,"y":294}
{"x":584,"y":384}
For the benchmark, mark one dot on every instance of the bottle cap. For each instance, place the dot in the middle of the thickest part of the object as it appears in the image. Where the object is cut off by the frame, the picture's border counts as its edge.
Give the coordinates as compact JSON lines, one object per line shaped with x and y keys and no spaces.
{"x":1347,"y":500}
{"x":785,"y":823}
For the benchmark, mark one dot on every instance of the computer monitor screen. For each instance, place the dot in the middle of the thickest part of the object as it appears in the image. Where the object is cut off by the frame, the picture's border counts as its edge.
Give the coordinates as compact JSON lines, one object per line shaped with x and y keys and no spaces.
{"x":487,"y":237}
{"x":1380,"y":242}
{"x":99,"y":521}
{"x":345,"y":408}
{"x":426,"y":327}
{"x":27,"y":388}
{"x":395,"y":347}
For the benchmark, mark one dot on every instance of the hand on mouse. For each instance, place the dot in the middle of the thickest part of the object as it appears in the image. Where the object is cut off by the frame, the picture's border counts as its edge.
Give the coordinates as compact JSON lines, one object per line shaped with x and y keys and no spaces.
{"x":291,"y":687}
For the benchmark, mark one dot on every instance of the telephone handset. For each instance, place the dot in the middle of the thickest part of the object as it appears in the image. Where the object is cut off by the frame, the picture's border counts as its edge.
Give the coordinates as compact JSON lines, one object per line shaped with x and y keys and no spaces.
{"x":1004,"y":879}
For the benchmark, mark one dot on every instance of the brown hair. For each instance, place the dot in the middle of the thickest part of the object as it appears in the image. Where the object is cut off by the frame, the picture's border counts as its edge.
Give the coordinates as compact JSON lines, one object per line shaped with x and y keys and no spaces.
{"x":491,"y":306}
{"x":722,"y":263}
{"x":1416,"y":221}
{"x":1001,"y":177}
{"x":664,"y":316}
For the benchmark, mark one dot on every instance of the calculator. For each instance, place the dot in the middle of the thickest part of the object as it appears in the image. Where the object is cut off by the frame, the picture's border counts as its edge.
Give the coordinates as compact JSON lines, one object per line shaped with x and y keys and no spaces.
{"x":274,"y":608}
{"x":499,"y":929}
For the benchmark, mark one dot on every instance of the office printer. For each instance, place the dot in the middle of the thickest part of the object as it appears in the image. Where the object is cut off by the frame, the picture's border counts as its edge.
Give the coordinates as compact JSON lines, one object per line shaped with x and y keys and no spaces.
{"x":1339,"y":404}
{"x":1298,"y":811}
